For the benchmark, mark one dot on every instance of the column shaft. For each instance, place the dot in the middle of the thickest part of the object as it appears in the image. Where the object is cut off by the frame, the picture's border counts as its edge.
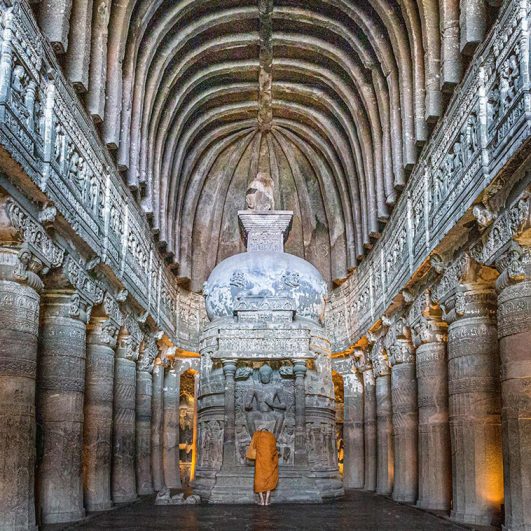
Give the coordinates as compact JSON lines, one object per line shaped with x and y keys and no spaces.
{"x":474,"y":408}
{"x":60,"y":394}
{"x":19,"y":324}
{"x":171,"y":430}
{"x":299,"y":369}
{"x":354,"y":453}
{"x":514,"y":331}
{"x":385,"y":460}
{"x":98,"y":414}
{"x":123,"y":457}
{"x":405,"y":429}
{"x":143,"y":433}
{"x":435,"y":478}
{"x":369,"y":430}
{"x":156,"y":428}
{"x":229,"y":436}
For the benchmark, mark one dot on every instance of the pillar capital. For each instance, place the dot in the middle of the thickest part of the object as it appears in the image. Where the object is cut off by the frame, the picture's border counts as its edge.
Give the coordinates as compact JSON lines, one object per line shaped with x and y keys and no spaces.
{"x":299,"y":368}
{"x":379,"y":359}
{"x":229,"y":367}
{"x":514,"y":266}
{"x":66,"y":303}
{"x":26,"y":250}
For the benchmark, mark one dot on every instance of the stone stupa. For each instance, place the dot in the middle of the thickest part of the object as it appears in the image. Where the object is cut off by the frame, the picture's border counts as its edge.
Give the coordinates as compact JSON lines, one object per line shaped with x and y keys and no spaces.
{"x":265,"y":362}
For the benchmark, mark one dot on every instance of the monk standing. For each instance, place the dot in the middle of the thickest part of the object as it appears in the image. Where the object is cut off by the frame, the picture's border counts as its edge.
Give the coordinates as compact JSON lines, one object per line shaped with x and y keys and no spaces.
{"x":263,"y":450}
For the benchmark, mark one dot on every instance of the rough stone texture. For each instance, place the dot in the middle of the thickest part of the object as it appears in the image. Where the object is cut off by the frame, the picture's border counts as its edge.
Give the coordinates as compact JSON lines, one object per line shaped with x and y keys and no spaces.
{"x":369,"y":429}
{"x":144,"y":480}
{"x":170,"y":430}
{"x":435,"y":465}
{"x":60,"y":398}
{"x":19,"y":325}
{"x":97,"y":436}
{"x":514,"y":332}
{"x":124,"y":420}
{"x":474,"y":407}
{"x":157,"y":469}
{"x":353,"y":422}
{"x":405,"y":428}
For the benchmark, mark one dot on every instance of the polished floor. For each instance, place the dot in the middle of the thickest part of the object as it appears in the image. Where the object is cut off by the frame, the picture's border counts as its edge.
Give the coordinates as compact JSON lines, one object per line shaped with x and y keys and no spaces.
{"x":357,"y":511}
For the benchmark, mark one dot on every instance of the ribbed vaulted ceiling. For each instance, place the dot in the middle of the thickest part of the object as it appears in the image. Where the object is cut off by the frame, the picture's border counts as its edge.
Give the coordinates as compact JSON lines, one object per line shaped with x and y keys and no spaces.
{"x":332,"y":97}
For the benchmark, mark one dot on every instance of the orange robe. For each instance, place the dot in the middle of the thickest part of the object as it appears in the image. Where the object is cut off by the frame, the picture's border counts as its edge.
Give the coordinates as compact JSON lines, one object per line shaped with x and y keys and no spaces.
{"x":266,"y":463}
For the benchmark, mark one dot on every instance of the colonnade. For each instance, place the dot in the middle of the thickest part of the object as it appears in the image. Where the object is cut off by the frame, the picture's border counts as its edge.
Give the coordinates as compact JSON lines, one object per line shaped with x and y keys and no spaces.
{"x":440,"y":396}
{"x":87,"y":417}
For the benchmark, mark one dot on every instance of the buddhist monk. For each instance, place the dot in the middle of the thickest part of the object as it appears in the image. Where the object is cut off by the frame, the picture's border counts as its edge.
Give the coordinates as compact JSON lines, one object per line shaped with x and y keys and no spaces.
{"x":263,"y":450}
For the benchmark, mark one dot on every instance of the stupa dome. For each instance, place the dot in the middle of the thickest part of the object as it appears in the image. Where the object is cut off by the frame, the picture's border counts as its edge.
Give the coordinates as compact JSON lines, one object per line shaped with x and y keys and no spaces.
{"x":274,"y":277}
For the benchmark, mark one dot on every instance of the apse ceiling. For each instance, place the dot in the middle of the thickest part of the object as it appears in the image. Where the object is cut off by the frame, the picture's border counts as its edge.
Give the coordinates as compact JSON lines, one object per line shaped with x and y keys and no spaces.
{"x":332,"y":97}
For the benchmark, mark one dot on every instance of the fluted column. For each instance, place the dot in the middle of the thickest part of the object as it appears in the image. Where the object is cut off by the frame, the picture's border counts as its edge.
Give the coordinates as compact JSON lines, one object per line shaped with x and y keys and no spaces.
{"x":405,"y":419}
{"x":354,"y":452}
{"x":143,"y":432}
{"x":157,"y":469}
{"x":514,"y":332}
{"x":97,"y":432}
{"x":384,"y":424}
{"x":19,"y":325}
{"x":474,"y":405}
{"x":170,"y":450}
{"x":123,"y":457}
{"x":369,"y":422}
{"x":60,"y":395}
{"x":435,"y":464}
{"x":229,"y":436}
{"x":299,"y":370}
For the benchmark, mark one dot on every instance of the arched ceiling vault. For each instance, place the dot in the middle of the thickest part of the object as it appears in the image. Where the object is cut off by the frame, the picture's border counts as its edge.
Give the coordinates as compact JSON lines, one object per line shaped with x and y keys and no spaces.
{"x":333,"y":98}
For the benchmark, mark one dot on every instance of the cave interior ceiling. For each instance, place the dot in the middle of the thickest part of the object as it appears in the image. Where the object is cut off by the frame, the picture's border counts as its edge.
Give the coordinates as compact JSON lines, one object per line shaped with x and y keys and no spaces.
{"x":333,"y":98}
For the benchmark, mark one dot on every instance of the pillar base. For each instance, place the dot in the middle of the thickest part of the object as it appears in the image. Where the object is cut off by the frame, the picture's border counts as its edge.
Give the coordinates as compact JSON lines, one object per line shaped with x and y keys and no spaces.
{"x":469,"y":518}
{"x":518,"y":527}
{"x":403,"y":499}
{"x":62,"y":518}
{"x":124,"y":499}
{"x":145,"y":492}
{"x":427,"y":506}
{"x":97,"y":507}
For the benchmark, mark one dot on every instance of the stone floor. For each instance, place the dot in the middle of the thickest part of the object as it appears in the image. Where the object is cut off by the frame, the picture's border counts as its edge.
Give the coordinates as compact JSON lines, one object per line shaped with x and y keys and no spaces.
{"x":357,"y":511}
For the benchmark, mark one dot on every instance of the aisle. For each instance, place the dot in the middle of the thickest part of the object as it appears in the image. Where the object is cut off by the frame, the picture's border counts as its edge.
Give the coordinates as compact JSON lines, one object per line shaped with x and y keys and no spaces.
{"x":357,"y":511}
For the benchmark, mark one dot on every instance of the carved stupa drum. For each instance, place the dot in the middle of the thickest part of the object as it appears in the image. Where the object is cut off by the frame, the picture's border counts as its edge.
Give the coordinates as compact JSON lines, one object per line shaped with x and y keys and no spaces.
{"x":265,"y":363}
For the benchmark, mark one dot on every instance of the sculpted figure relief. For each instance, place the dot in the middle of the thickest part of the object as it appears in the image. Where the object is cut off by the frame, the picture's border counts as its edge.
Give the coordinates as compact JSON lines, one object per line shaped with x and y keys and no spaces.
{"x":260,"y":193}
{"x":265,"y":404}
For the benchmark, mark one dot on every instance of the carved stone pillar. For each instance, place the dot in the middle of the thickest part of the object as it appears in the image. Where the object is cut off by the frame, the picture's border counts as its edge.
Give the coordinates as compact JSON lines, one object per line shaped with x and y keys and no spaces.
{"x":97,"y":432}
{"x":143,"y":432}
{"x":354,"y":456}
{"x":157,"y":469}
{"x":60,"y":395}
{"x":124,"y":416}
{"x":514,"y":332}
{"x":405,"y":418}
{"x":19,"y":325}
{"x":435,"y":478}
{"x":369,"y":419}
{"x":26,"y":251}
{"x":384,"y":424}
{"x":170,"y":459}
{"x":474,"y":400}
{"x":299,"y":370}
{"x":229,"y":436}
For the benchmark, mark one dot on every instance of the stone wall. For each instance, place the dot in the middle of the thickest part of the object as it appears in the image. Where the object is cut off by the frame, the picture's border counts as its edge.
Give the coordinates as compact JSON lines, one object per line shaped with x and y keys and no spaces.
{"x":50,"y":149}
{"x":472,"y":153}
